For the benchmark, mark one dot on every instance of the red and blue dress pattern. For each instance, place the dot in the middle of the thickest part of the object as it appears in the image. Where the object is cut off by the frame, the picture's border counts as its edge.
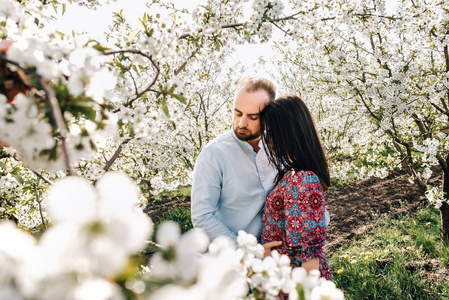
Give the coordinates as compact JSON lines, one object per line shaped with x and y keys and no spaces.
{"x":295,"y":214}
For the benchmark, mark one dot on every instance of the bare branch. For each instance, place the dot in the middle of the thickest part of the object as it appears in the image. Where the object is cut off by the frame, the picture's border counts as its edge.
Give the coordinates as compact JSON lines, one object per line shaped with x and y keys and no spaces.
{"x":420,"y":125}
{"x":115,"y":155}
{"x":279,"y":27}
{"x":446,"y":57}
{"x":182,"y":67}
{"x":60,"y":124}
{"x":39,"y":175}
{"x":136,"y":89}
{"x":237,"y":25}
{"x":441,"y":161}
{"x":155,"y":65}
{"x":40,"y":206}
{"x":444,"y":103}
{"x":372,"y":114}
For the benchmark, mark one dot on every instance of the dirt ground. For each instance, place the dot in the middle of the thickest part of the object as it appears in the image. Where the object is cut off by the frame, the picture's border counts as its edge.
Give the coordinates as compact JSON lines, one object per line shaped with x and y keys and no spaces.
{"x":354,"y":208}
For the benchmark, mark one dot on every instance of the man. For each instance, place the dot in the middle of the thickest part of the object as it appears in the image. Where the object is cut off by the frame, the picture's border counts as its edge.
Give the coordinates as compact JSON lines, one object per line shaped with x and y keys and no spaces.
{"x":232,"y":175}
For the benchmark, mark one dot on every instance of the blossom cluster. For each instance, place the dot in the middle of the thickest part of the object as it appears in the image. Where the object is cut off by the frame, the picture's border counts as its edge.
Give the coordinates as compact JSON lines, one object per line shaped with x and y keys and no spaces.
{"x":26,"y":132}
{"x":376,"y":78}
{"x":78,"y":76}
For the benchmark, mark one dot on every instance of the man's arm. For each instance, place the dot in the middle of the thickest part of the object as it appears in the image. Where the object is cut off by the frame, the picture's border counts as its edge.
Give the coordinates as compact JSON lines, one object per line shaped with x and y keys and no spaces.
{"x":206,"y":191}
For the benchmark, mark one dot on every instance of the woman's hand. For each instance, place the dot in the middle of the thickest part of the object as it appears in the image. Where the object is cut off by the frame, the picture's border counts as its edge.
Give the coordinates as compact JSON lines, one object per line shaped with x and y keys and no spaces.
{"x":313,"y":264}
{"x":269,"y":245}
{"x":4,"y":45}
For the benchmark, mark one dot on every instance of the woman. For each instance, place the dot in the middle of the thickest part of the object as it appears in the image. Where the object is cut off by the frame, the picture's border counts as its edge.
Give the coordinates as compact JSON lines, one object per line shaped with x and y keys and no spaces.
{"x":294,"y":210}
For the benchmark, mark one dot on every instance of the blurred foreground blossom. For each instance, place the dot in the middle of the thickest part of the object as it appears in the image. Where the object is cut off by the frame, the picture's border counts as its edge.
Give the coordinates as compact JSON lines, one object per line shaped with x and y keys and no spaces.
{"x":183,"y":269}
{"x":93,"y":233}
{"x":85,"y":254}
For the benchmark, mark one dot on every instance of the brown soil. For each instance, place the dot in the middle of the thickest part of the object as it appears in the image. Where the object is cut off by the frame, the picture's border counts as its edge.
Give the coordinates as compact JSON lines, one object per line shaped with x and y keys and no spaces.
{"x":353,"y":209}
{"x":157,"y":210}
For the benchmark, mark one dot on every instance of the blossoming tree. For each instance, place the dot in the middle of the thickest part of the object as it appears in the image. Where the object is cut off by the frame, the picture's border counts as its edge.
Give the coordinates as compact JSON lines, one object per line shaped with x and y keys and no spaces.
{"x":390,"y":71}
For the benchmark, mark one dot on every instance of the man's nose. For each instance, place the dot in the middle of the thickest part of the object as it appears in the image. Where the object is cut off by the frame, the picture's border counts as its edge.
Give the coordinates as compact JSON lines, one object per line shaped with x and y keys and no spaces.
{"x":243,"y":122}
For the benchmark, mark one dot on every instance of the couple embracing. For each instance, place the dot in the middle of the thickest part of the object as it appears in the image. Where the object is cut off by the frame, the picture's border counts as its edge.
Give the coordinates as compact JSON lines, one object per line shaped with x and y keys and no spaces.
{"x":267,"y":177}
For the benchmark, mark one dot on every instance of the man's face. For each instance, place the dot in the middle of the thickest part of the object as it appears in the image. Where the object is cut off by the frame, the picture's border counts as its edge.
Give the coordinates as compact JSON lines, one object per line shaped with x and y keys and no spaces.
{"x":247,"y":105}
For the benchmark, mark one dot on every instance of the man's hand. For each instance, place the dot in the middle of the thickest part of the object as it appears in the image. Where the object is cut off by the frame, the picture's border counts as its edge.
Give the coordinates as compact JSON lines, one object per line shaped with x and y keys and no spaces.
{"x":268,"y":246}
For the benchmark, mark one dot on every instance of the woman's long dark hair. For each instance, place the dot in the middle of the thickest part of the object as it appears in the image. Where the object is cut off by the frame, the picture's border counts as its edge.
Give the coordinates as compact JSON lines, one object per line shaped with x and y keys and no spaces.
{"x":291,"y":140}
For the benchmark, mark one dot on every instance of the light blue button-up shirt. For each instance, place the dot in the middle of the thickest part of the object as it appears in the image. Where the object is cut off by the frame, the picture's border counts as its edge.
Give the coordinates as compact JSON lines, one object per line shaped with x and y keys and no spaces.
{"x":230,"y":184}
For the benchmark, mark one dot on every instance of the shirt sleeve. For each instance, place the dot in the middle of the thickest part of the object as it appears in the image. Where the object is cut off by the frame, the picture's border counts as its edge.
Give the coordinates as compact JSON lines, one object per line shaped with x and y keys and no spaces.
{"x":206,"y":190}
{"x":304,"y":216}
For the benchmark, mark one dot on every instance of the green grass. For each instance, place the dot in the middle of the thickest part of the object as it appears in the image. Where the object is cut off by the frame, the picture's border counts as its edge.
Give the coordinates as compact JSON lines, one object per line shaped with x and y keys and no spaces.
{"x":180,"y":215}
{"x":166,"y":196}
{"x":395,"y":260}
{"x":338,"y":183}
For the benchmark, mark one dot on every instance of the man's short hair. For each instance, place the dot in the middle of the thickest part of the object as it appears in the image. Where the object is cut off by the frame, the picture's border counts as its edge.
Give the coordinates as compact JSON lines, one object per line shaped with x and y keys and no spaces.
{"x":253,"y":84}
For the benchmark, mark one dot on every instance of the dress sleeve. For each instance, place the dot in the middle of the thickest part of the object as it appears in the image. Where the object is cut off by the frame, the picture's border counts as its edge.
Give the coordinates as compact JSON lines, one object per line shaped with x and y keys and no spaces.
{"x":304,"y":216}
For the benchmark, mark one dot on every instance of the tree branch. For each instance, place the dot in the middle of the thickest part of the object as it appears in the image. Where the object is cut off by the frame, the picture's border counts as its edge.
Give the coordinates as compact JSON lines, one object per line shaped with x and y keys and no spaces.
{"x":237,"y":25}
{"x":40,"y":206}
{"x":446,"y":56}
{"x":368,"y":108}
{"x":60,"y":124}
{"x":155,"y":65}
{"x":39,"y":175}
{"x":420,"y":125}
{"x":115,"y":155}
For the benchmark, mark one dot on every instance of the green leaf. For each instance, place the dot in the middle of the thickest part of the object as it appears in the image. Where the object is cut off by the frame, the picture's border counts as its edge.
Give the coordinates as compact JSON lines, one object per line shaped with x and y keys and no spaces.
{"x":218,"y":44}
{"x":172,"y":89}
{"x":133,"y":35}
{"x":11,"y":211}
{"x":143,"y":21}
{"x":62,"y":35}
{"x":135,"y":69}
{"x":180,"y":98}
{"x":18,"y":178}
{"x":64,"y":8}
{"x":15,"y":170}
{"x":165,"y":107}
{"x":100,"y":47}
{"x":87,"y":112}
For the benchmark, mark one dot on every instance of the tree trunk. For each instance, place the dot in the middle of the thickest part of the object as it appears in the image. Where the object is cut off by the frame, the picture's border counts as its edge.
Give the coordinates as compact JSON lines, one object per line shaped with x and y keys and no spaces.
{"x":444,"y":209}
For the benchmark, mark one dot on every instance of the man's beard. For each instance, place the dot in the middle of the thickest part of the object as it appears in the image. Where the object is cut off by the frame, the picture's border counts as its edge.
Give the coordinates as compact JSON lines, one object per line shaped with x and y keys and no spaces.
{"x":247,"y":136}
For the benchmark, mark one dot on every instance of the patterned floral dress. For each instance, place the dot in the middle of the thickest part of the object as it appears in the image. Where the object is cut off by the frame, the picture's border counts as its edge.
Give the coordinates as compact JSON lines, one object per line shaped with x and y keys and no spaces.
{"x":295,"y":214}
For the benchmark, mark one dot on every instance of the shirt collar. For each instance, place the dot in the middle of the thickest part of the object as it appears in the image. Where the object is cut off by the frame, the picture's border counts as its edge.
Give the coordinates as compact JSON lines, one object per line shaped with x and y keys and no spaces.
{"x":245,"y":145}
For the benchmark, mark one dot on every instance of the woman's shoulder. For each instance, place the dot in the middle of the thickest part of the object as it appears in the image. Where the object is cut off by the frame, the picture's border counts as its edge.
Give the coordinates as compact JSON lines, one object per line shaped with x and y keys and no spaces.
{"x":303,"y":177}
